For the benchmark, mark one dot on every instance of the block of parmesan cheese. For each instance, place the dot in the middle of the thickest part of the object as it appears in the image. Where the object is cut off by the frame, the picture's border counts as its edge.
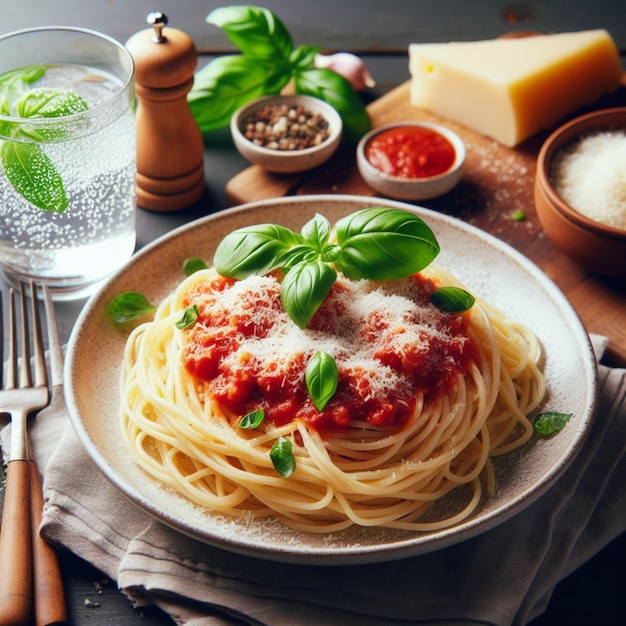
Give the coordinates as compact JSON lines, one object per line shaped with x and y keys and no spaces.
{"x":509,"y":89}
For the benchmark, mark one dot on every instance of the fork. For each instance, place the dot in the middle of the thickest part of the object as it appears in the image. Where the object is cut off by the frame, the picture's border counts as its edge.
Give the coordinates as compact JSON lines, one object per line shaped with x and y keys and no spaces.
{"x":19,"y":540}
{"x":50,"y":605}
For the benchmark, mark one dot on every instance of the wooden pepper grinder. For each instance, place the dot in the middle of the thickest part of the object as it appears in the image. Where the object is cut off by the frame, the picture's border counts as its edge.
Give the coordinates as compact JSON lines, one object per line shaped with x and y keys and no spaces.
{"x":170,"y":151}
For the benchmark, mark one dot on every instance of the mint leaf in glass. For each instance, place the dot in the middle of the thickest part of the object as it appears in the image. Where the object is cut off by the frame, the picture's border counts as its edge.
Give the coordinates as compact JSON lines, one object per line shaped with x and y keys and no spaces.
{"x":29,"y":170}
{"x":33,"y":175}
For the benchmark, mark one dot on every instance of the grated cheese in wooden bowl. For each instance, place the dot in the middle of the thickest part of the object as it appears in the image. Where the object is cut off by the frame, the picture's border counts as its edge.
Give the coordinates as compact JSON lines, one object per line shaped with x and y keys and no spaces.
{"x":590,"y":175}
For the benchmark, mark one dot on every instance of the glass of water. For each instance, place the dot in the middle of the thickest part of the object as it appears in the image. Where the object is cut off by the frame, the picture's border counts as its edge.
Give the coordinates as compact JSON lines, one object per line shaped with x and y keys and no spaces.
{"x":67,"y":158}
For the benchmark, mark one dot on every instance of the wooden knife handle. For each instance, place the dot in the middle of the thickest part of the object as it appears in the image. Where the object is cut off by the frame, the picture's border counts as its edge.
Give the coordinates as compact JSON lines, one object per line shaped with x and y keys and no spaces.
{"x":50,"y":605}
{"x":16,"y":592}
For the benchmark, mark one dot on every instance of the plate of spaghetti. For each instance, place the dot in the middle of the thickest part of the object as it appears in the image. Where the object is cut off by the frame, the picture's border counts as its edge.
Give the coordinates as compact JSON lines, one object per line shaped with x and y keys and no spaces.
{"x":339,"y":379}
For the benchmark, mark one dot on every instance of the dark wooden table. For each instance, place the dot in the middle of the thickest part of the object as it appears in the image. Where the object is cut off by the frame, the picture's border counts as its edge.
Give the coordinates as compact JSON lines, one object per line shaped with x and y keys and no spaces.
{"x":381,"y":32}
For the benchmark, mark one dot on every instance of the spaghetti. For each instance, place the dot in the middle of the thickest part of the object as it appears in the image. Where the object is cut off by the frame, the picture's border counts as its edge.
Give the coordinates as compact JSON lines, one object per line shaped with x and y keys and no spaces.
{"x":406,"y":427}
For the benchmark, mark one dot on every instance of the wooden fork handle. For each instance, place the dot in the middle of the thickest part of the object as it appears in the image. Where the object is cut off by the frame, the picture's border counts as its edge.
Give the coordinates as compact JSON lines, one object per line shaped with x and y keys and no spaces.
{"x":16,"y":593}
{"x":50,"y":605}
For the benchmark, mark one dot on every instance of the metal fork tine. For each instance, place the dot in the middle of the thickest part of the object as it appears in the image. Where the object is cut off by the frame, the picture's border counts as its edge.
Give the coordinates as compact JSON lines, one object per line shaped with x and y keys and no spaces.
{"x":25,"y":371}
{"x":39,"y":358}
{"x":2,"y":339}
{"x":11,"y":382}
{"x":54,"y":342}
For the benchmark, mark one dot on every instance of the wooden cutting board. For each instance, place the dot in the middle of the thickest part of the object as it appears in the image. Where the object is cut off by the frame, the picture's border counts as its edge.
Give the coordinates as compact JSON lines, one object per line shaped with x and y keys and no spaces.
{"x":497,"y":182}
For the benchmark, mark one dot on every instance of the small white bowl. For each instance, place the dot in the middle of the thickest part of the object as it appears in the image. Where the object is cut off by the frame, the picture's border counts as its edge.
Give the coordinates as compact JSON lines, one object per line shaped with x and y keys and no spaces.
{"x":287,"y":161}
{"x":405,"y":188}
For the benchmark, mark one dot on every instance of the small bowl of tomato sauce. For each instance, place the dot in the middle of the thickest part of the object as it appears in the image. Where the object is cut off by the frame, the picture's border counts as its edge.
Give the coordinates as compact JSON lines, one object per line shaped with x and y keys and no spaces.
{"x":411,"y":160}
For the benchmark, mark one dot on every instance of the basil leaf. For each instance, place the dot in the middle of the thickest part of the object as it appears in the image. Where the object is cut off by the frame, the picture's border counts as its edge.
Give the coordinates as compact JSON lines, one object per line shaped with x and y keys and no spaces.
{"x":382,"y":244}
{"x":303,"y":58}
{"x":333,"y":88}
{"x":223,"y":86}
{"x":190,"y":316}
{"x":192,"y":265}
{"x":282,"y":457}
{"x":317,"y":231}
{"x":452,"y":299}
{"x":276,"y":77}
{"x":129,"y":306}
{"x":331,"y":253}
{"x":33,"y":175}
{"x":229,"y":82}
{"x":252,"y":420}
{"x":257,"y":32}
{"x":255,"y":250}
{"x":304,"y":288}
{"x":547,"y":424}
{"x":321,"y":377}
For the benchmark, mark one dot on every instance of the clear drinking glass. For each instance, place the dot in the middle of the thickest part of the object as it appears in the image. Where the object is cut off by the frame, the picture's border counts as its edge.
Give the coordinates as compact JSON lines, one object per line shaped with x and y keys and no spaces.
{"x":67,"y":158}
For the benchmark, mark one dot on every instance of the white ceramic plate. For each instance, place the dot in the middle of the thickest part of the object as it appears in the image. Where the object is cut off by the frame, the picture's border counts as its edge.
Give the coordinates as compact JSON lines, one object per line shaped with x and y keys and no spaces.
{"x":486,"y":265}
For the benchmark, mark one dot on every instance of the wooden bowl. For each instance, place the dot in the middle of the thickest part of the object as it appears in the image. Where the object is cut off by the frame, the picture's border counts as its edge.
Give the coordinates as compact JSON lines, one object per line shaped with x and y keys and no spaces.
{"x":593,"y":245}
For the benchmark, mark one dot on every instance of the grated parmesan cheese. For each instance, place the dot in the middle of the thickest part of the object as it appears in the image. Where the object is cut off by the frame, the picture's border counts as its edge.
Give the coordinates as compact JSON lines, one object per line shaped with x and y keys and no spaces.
{"x":347,"y":311}
{"x":590,"y":176}
{"x":386,"y":338}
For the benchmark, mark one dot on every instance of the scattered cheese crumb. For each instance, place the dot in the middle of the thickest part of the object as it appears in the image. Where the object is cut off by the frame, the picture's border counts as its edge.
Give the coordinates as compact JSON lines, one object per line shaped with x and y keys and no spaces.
{"x":591,"y":177}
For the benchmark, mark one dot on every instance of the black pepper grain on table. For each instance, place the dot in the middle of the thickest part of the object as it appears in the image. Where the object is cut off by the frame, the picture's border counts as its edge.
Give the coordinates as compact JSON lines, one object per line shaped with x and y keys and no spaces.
{"x":286,"y":127}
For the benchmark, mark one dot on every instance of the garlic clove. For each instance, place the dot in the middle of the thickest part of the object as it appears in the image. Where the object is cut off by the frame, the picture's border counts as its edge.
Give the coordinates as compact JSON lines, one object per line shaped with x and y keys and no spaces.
{"x":349,"y":66}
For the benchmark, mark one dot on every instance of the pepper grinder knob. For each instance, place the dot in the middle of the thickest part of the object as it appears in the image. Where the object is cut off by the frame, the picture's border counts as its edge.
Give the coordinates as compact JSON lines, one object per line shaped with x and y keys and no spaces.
{"x":170,"y":150}
{"x":158,"y":21}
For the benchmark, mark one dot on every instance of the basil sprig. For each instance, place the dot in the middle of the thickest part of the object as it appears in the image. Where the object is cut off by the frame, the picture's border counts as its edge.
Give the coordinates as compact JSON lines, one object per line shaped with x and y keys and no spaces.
{"x":281,"y":452}
{"x":256,"y":31}
{"x":452,"y":299}
{"x":384,"y":244}
{"x":304,"y":288}
{"x":129,"y":306}
{"x":377,"y":243}
{"x":188,"y":318}
{"x":337,"y":90}
{"x":282,"y":457}
{"x":252,"y":420}
{"x":321,"y":377}
{"x":268,"y":61}
{"x":29,"y":170}
{"x":192,"y":265}
{"x":550,"y":423}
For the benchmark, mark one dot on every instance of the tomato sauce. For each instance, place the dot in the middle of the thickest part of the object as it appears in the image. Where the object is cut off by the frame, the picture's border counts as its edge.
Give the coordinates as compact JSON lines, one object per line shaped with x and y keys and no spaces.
{"x":410,"y":152}
{"x":220,"y":352}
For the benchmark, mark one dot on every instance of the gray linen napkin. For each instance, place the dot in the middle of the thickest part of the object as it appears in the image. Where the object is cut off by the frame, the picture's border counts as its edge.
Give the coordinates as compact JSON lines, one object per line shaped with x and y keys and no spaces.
{"x":198,"y":584}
